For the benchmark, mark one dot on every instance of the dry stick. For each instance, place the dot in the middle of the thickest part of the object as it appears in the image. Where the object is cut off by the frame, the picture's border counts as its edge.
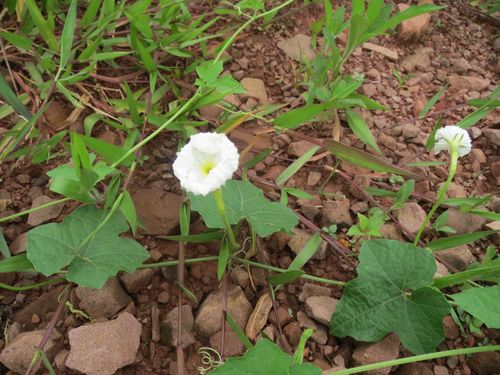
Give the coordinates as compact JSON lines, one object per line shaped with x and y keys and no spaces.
{"x":180,"y":279}
{"x":50,"y":327}
{"x":224,"y":314}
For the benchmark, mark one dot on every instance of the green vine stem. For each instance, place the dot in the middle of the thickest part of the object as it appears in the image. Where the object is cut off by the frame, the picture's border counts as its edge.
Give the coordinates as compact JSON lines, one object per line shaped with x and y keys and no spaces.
{"x":441,"y":193}
{"x":219,"y":201}
{"x":417,"y":358}
{"x":31,"y":286}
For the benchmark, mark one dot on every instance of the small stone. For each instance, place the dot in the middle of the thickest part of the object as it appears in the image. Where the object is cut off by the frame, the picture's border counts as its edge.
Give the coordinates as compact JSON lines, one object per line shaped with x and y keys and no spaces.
{"x":420,"y":60}
{"x":414,"y":369}
{"x":459,"y":257}
{"x":468,"y":83}
{"x":104,"y":302}
{"x":486,"y":363}
{"x":45,"y":214}
{"x":409,"y":131}
{"x":293,"y":333}
{"x":300,"y":238}
{"x":451,"y":330}
{"x":440,"y":370}
{"x":18,"y":353}
{"x":464,"y":222}
{"x":255,"y":88}
{"x":413,"y":28}
{"x":455,"y":190}
{"x":240,"y":277}
{"x":211,"y":112}
{"x":283,"y":316}
{"x":492,"y":135}
{"x":232,"y":344}
{"x":460,"y":65}
{"x":321,"y":308}
{"x":441,"y":270}
{"x":478,"y":155}
{"x":258,"y":318}
{"x":23,"y":179}
{"x":390,"y":231}
{"x":411,"y":216}
{"x":384,"y":350}
{"x":157,"y":209}
{"x":169,"y":327}
{"x":495,"y":237}
{"x":319,"y":333}
{"x":313,"y":290}
{"x":35,"y":319}
{"x":208,"y":320}
{"x":90,"y":342}
{"x":299,"y":148}
{"x":163,"y":297}
{"x":137,"y":280}
{"x":18,"y":246}
{"x":310,"y":210}
{"x":337,"y":212}
{"x":60,"y":359}
{"x":369,"y":89}
{"x":298,"y":47}
{"x":313,"y":178}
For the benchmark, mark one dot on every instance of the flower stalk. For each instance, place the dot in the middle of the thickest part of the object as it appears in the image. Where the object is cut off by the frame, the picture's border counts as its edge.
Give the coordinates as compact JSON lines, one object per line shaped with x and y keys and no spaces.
{"x":219,"y":201}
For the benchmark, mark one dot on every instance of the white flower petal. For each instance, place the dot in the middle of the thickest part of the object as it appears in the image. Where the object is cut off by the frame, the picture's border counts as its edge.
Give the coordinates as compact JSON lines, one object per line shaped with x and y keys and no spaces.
{"x":206,"y":162}
{"x":454,"y":137}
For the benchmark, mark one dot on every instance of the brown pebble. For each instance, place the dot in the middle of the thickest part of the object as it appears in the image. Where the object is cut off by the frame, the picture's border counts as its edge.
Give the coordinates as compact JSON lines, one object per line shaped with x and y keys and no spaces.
{"x":35,"y":319}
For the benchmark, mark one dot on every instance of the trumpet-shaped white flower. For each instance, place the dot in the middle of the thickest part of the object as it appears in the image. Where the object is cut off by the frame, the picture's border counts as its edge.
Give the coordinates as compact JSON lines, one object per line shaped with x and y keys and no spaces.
{"x":452,"y":138}
{"x":206,"y":162}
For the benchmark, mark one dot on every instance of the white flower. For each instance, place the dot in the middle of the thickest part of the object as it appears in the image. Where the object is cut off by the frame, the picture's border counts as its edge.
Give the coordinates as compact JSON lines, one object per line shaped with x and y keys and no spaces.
{"x":452,"y":137}
{"x":206,"y":162}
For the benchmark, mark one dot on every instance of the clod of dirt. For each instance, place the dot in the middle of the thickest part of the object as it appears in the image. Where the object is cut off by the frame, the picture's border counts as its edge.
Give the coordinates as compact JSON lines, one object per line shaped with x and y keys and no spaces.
{"x":104,"y":302}
{"x":18,"y":353}
{"x":45,"y":214}
{"x":411,"y":216}
{"x":459,"y":257}
{"x":298,"y":47}
{"x":169,"y":327}
{"x":321,"y":308}
{"x":208,"y":320}
{"x":157,"y":209}
{"x":385,"y":350}
{"x":103,"y":348}
{"x":137,"y":280}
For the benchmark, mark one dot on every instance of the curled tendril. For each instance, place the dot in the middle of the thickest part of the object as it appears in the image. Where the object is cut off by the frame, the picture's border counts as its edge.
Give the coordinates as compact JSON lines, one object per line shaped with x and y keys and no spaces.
{"x":210,"y":359}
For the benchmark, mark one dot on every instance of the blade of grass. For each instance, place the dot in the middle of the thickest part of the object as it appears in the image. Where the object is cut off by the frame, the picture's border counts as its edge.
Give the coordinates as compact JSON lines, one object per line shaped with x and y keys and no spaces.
{"x":42,"y":25}
{"x":295,"y":166}
{"x":432,"y":101}
{"x":10,"y":97}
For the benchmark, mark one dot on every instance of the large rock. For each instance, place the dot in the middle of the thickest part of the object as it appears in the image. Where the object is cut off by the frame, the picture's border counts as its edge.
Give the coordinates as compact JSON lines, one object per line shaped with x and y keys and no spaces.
{"x":18,"y":353}
{"x":208,"y":320}
{"x":384,"y":350}
{"x":336,"y":212}
{"x":104,"y":302}
{"x":464,"y":222}
{"x":411,"y":216}
{"x":321,"y":308}
{"x":298,"y":47}
{"x":469,"y":83}
{"x":459,"y":257}
{"x":45,"y":214}
{"x":169,"y":327}
{"x":255,"y":88}
{"x":157,"y":209}
{"x":103,"y":348}
{"x":413,"y":28}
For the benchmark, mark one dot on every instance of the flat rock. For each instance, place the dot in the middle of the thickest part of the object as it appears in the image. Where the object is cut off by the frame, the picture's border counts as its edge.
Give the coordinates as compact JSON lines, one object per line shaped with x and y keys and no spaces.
{"x":464,"y":222}
{"x":492,"y":135}
{"x":459,"y":257}
{"x":298,"y":47}
{"x":336,"y":212}
{"x":469,"y":83}
{"x":169,"y":327}
{"x":137,"y":280}
{"x":300,"y":238}
{"x":103,"y":348}
{"x":157,"y":209}
{"x":104,"y":302}
{"x":391,"y":54}
{"x":208,"y":319}
{"x":411,"y":216}
{"x":45,"y":214}
{"x":321,"y":308}
{"x":255,"y":88}
{"x":313,"y":290}
{"x":413,"y":28}
{"x":258,"y":317}
{"x":18,"y":353}
{"x":384,"y":350}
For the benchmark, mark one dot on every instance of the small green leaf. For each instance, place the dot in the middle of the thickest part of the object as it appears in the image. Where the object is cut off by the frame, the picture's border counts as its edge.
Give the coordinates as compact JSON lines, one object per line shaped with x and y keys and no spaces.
{"x":364,"y":159}
{"x":239,"y":332}
{"x":459,"y":239}
{"x":306,"y":253}
{"x":361,"y":130}
{"x":10,"y":97}
{"x":285,"y":277}
{"x":128,"y":210}
{"x":90,"y":248}
{"x":432,"y":101}
{"x":481,"y":303}
{"x":245,"y":201}
{"x":392,"y":293}
{"x":17,"y":40}
{"x":403,"y":194}
{"x":17,"y":263}
{"x":68,"y":34}
{"x":295,"y":166}
{"x":4,"y":249}
{"x":222,"y":260}
{"x":300,"y":116}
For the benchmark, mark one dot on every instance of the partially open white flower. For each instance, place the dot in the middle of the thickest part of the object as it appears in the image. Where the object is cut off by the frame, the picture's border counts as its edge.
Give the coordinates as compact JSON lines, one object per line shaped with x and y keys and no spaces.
{"x":206,"y":162}
{"x":452,"y":137}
